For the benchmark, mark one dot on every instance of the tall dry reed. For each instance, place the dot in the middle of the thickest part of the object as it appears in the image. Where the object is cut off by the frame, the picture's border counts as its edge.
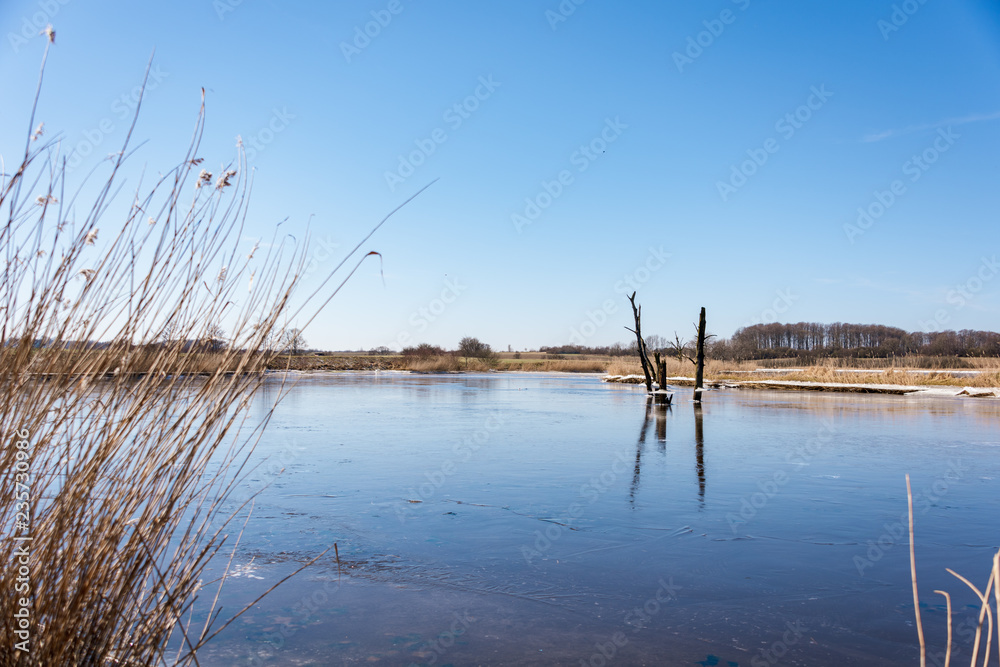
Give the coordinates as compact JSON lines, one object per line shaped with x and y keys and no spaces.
{"x":983,"y":596}
{"x":109,"y":507}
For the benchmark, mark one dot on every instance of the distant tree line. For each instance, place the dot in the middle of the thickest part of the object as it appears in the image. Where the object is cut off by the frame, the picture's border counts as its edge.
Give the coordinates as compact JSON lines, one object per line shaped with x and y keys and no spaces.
{"x":805,"y":341}
{"x":811,"y":340}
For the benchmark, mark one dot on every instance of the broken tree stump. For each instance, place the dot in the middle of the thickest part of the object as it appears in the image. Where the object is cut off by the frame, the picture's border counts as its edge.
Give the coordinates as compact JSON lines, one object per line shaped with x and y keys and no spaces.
{"x":699,"y":373}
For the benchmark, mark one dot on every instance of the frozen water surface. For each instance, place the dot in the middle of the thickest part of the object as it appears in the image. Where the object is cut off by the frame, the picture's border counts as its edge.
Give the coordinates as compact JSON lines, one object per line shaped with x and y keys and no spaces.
{"x":554,"y":519}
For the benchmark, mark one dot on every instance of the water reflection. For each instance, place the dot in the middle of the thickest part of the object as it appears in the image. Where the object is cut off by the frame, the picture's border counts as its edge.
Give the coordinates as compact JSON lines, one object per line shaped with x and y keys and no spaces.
{"x":655,"y":411}
{"x":699,"y":451}
{"x":661,"y":425}
{"x":638,"y":455}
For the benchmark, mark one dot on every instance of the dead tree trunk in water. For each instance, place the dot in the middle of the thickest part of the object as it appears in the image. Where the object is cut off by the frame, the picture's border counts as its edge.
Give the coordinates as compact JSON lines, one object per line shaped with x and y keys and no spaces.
{"x":699,"y":372}
{"x":643,"y":358}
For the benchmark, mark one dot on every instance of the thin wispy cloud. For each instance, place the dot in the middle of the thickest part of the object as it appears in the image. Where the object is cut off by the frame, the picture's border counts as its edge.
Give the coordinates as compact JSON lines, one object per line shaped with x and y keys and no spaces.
{"x":963,"y":120}
{"x":871,"y":285}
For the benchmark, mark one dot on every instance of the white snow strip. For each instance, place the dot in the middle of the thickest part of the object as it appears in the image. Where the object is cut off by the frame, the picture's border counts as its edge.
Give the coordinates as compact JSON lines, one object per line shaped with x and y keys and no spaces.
{"x":907,"y":390}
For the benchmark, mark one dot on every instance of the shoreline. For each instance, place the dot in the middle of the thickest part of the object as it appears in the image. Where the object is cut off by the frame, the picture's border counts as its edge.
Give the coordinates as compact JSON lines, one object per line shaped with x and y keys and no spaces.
{"x":368,"y":365}
{"x":935,"y":391}
{"x":925,"y":391}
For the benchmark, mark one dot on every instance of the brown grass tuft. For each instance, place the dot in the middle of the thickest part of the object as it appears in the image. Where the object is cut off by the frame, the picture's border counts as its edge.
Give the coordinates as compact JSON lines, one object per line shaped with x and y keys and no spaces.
{"x":555,"y":365}
{"x":446,"y":363}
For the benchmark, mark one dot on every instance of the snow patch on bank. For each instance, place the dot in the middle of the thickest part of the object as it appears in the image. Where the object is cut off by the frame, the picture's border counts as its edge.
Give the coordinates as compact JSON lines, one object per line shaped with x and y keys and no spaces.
{"x":899,"y":389}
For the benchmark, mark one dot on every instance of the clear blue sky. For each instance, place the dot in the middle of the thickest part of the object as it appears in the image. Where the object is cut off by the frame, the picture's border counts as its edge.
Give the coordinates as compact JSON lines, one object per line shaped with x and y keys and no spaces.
{"x":666,"y":97}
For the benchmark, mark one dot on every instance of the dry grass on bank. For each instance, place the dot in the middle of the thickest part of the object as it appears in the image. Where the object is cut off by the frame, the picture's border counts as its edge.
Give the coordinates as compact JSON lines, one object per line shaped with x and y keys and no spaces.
{"x":438,"y":364}
{"x":675,"y":368}
{"x":450,"y":363}
{"x":443,"y":364}
{"x":354,"y":362}
{"x":138,"y":361}
{"x":910,"y":361}
{"x":892,"y":376}
{"x":834,"y":371}
{"x":555,"y":365}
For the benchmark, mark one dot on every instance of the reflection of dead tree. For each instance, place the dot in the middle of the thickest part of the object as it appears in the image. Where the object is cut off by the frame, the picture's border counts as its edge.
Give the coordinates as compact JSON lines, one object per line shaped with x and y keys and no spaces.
{"x":638,"y":456}
{"x":699,"y":451}
{"x":643,"y":352}
{"x":659,"y":410}
{"x":662,"y":407}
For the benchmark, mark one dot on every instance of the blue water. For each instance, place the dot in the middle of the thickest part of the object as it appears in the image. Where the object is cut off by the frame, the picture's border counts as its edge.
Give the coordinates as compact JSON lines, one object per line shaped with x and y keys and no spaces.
{"x":555,"y":519}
